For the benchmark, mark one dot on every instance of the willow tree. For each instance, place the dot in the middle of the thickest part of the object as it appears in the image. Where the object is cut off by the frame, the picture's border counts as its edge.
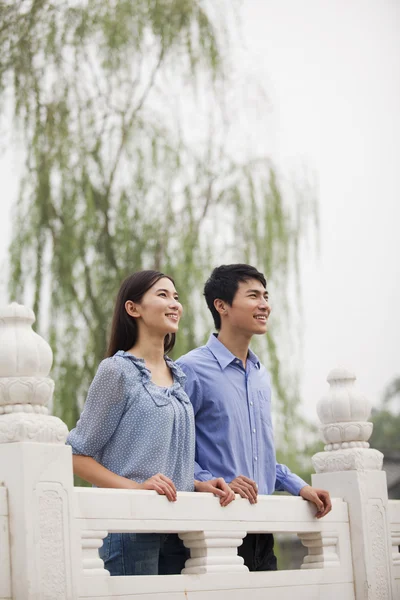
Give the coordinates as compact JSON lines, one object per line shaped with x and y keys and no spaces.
{"x":121,"y":174}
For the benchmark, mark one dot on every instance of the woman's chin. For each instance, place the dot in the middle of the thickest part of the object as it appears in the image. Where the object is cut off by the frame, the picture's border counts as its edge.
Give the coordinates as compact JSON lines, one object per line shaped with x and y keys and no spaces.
{"x":171,"y":329}
{"x":172,"y":326}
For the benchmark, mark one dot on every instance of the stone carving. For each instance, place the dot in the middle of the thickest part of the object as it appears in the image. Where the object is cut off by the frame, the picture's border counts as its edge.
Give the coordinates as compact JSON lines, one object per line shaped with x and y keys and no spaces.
{"x":343,"y":413}
{"x":377,"y":533}
{"x":347,"y":435}
{"x":52,"y":546}
{"x":352,"y":459}
{"x":25,"y":388}
{"x":23,"y":353}
{"x":20,"y":427}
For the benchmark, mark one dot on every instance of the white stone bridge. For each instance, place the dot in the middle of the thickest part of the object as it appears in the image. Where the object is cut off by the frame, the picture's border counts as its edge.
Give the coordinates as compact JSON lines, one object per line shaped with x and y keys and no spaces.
{"x":50,"y":531}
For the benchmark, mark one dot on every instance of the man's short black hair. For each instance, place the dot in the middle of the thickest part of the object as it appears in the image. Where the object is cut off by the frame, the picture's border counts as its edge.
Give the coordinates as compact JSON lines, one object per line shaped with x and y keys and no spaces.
{"x":223,"y":284}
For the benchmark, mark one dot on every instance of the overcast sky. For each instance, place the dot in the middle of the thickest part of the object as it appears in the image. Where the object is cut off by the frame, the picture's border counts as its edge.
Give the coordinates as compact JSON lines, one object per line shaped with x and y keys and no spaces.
{"x":332,"y":71}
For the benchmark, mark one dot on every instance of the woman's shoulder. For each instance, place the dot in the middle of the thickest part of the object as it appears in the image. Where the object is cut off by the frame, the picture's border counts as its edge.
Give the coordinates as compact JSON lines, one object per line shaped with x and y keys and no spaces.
{"x":115,"y":366}
{"x":110,"y":368}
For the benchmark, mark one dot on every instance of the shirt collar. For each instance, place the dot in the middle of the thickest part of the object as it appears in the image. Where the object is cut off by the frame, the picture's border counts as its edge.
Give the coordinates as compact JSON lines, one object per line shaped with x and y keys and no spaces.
{"x":178,"y":375}
{"x":225,"y":356}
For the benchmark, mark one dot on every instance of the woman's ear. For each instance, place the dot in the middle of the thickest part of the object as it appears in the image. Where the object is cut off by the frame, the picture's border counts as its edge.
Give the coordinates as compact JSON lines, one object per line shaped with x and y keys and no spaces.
{"x":132,"y":309}
{"x":220,"y":306}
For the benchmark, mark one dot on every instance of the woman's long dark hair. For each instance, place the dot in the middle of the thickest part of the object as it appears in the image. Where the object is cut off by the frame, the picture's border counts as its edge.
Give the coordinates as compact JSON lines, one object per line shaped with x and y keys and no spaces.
{"x":124,"y":329}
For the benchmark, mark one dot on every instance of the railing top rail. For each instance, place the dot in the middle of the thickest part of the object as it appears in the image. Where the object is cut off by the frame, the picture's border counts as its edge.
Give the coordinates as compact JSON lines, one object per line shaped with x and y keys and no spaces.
{"x":139,"y":510}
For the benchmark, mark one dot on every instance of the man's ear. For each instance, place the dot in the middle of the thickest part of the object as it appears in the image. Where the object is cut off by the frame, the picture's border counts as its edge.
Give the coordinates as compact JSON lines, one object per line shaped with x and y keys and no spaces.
{"x":132,"y":309}
{"x":220,"y":306}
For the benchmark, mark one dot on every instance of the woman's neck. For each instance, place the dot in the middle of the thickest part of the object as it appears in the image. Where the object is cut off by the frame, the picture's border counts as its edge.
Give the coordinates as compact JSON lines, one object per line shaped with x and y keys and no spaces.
{"x":150,"y":348}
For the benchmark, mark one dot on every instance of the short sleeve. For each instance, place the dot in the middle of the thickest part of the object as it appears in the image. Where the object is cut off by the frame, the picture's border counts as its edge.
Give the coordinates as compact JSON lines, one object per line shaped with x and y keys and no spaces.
{"x":103,"y":409}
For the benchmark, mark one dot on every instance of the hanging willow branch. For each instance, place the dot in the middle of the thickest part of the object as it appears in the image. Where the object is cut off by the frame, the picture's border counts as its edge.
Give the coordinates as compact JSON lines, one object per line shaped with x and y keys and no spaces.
{"x":111,"y":183}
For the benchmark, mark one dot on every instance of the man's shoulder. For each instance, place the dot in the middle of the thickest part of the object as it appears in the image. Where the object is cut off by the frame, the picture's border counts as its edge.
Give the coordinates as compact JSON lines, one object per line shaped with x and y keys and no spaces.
{"x":194,"y":357}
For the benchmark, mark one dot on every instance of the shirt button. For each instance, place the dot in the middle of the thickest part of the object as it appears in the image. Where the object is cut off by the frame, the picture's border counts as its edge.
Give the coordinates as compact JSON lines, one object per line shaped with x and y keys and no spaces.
{"x":251,"y":404}
{"x":254,"y":430}
{"x":255,"y":458}
{"x":237,"y":361}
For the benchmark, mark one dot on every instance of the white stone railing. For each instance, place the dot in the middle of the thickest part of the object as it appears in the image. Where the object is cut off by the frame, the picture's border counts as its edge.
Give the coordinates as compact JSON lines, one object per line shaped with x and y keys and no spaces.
{"x":394,"y":522}
{"x":50,"y":531}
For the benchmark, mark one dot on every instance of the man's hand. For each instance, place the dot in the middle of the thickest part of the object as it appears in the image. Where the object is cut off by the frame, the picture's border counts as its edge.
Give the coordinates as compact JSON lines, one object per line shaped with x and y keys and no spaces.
{"x":218,"y":487}
{"x":320,"y":498}
{"x":245,"y":487}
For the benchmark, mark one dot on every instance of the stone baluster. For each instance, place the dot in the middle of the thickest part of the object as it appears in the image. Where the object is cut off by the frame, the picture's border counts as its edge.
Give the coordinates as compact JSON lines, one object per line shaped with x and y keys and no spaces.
{"x":350,"y":469}
{"x":213,"y":552}
{"x":396,"y":547}
{"x":91,"y":542}
{"x":322,"y":550}
{"x":35,"y":466}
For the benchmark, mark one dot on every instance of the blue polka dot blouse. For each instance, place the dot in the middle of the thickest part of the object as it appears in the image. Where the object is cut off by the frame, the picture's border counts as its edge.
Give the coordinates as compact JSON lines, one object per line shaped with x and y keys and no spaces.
{"x":135,"y":428}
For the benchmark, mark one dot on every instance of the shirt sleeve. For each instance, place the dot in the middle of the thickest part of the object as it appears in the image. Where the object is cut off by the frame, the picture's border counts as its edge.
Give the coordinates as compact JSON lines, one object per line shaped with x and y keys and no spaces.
{"x":194,"y":391}
{"x":286,"y":481}
{"x":102,"y":412}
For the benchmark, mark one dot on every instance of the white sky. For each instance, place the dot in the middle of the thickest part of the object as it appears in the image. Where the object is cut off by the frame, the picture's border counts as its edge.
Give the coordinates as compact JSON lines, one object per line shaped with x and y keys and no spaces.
{"x":332,"y":72}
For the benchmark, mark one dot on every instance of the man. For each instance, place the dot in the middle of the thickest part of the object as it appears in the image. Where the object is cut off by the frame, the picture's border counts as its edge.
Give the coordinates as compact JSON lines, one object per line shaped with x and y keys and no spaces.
{"x":231,"y":395}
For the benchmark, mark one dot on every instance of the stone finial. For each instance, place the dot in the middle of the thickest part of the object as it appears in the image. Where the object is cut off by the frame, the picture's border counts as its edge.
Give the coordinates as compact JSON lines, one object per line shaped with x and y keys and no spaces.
{"x":344,"y":413}
{"x":25,"y":388}
{"x":23,"y":353}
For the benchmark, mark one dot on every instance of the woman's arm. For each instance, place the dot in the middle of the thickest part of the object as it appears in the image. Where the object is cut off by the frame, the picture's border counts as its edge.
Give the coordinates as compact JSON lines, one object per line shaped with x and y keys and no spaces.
{"x":90,"y":470}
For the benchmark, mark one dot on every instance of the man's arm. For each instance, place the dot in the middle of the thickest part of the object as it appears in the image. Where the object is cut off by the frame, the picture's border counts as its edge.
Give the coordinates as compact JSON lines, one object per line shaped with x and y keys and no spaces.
{"x":286,"y":481}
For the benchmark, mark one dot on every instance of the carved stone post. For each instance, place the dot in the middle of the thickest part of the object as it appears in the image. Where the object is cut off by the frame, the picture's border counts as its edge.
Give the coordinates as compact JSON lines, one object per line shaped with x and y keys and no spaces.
{"x":351,"y":470}
{"x":35,"y":466}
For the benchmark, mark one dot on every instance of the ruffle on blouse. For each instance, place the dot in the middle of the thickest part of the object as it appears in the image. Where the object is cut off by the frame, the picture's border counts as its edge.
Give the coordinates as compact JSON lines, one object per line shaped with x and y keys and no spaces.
{"x":160,"y":395}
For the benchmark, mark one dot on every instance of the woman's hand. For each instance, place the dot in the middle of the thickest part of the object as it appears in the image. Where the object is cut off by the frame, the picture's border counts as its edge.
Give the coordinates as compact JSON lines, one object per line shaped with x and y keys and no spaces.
{"x":161,"y":484}
{"x":218,"y":487}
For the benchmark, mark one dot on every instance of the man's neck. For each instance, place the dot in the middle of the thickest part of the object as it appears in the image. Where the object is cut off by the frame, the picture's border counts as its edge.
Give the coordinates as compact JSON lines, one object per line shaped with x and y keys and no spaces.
{"x":236,"y":342}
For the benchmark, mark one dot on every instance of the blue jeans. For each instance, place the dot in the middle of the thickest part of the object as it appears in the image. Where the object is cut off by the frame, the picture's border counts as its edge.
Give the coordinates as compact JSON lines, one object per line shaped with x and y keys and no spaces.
{"x":143,"y":554}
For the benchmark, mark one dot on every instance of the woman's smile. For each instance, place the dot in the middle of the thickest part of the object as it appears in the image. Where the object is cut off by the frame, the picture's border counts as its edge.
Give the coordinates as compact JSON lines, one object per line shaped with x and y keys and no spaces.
{"x":173,"y":316}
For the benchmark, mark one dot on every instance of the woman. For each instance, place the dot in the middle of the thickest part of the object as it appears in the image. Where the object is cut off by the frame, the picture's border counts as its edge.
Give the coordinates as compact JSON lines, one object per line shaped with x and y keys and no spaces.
{"x":137,"y":427}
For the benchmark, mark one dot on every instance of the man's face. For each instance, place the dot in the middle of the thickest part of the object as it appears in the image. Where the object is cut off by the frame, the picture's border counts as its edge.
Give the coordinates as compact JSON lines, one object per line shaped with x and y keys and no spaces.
{"x":250,"y":309}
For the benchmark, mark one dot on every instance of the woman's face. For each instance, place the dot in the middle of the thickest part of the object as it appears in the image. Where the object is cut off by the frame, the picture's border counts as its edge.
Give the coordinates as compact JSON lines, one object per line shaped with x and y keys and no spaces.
{"x":159,"y":310}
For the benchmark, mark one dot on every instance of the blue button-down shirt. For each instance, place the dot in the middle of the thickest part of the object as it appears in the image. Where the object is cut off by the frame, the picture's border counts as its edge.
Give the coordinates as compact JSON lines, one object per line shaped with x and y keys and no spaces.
{"x":134,"y":427}
{"x":232,"y":407}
